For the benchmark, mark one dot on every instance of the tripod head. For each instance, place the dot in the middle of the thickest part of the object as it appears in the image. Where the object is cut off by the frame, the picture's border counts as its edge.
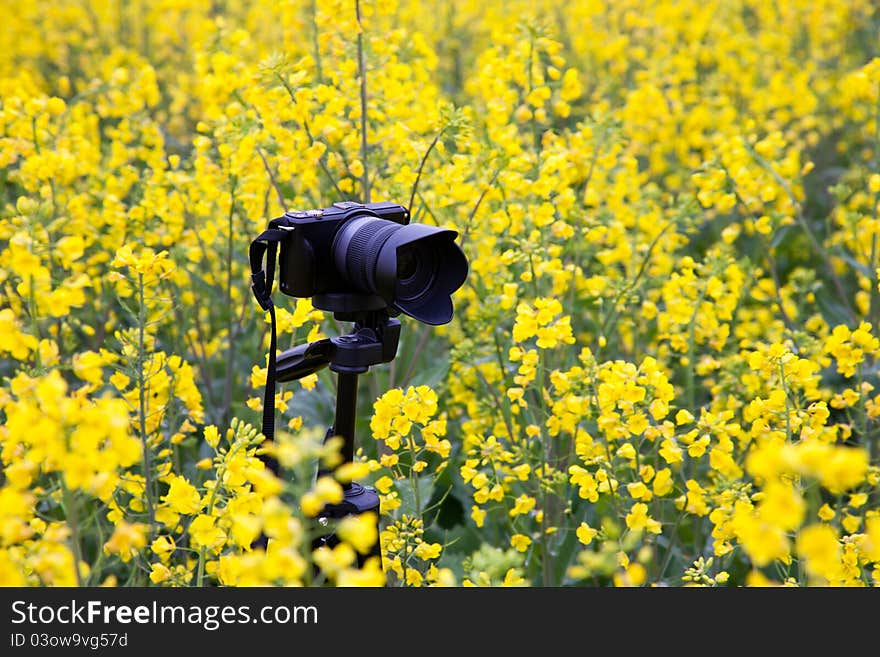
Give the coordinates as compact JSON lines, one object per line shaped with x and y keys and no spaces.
{"x":373,"y":341}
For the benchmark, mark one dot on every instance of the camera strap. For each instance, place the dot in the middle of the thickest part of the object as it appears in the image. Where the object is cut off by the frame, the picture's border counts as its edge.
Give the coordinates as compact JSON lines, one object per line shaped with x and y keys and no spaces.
{"x":266,"y":246}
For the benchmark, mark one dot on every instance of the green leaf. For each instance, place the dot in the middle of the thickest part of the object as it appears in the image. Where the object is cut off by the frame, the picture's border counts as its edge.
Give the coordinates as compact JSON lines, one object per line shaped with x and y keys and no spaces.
{"x":316,"y":406}
{"x":408,"y":498}
{"x":780,"y":236}
{"x":860,"y":267}
{"x":433,"y":375}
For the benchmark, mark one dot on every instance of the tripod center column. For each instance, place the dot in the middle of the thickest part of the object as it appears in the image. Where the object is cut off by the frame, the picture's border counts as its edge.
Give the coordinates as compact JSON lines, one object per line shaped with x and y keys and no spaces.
{"x":346,"y":411}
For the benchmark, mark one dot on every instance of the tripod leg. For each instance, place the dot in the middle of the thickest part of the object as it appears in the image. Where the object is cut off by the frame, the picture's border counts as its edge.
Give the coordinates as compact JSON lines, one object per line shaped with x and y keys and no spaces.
{"x":357,"y":499}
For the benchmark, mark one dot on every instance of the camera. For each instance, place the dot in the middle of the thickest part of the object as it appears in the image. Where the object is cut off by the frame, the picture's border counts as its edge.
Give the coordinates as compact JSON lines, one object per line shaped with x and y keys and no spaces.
{"x":355,"y":256}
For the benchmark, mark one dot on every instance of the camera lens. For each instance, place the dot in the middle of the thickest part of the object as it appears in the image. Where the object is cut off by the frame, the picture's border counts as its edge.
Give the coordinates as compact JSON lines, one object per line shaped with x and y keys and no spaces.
{"x":415,"y":268}
{"x":357,"y":247}
{"x":406,"y":263}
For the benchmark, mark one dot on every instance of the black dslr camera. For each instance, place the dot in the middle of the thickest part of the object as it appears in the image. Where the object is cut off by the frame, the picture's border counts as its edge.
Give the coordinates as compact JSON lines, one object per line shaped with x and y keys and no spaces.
{"x":357,"y":256}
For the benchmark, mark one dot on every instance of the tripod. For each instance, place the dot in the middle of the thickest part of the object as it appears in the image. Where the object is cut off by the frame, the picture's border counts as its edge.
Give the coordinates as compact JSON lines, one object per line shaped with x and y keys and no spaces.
{"x":373,"y":341}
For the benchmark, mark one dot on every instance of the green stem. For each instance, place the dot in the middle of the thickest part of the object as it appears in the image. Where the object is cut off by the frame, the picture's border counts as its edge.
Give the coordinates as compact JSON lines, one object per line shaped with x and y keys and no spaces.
{"x":70,"y":512}
{"x":230,"y":326}
{"x":200,"y":569}
{"x":424,"y":336}
{"x":415,"y":187}
{"x":668,"y":556}
{"x":501,"y":408}
{"x":536,"y":133}
{"x":362,"y":75}
{"x":691,"y":392}
{"x":142,"y":407}
{"x":549,"y":501}
{"x":614,"y":310}
{"x":473,"y":212}
{"x":874,"y":305}
{"x":313,"y":7}
{"x":32,"y":311}
{"x":414,"y":480}
{"x":787,"y":403}
{"x":94,"y":574}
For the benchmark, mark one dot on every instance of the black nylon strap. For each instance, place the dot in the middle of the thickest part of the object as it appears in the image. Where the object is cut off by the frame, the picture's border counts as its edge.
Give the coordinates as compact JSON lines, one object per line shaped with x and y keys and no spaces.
{"x":266,"y":245}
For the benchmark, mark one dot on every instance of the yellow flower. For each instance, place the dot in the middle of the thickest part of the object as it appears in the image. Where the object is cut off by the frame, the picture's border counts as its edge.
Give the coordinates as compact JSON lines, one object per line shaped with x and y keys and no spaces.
{"x":638,"y":519}
{"x":370,"y":575}
{"x":520,"y":542}
{"x":782,"y":506}
{"x":204,"y":533}
{"x":12,"y":340}
{"x":522,"y":505}
{"x":88,"y":365}
{"x":212,"y":436}
{"x":763,"y":541}
{"x":634,"y":575}
{"x":163,"y":546}
{"x":10,"y":572}
{"x":585,"y":533}
{"x":869,"y":542}
{"x":182,"y":496}
{"x":662,"y":484}
{"x":684,"y":417}
{"x":159,"y":573}
{"x":383,"y":484}
{"x":425,"y":551}
{"x":826,"y":513}
{"x":639,"y":491}
{"x":126,"y":540}
{"x":513,"y":577}
{"x":360,"y":531}
{"x":818,"y":546}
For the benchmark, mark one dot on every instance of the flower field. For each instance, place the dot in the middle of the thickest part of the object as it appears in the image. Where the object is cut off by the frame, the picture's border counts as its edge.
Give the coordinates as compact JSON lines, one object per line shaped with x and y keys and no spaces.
{"x":663,"y":365}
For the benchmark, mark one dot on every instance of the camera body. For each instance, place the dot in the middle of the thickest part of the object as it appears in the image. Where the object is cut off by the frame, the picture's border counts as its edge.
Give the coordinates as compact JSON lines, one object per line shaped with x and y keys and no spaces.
{"x":307,"y":265}
{"x":353,"y":257}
